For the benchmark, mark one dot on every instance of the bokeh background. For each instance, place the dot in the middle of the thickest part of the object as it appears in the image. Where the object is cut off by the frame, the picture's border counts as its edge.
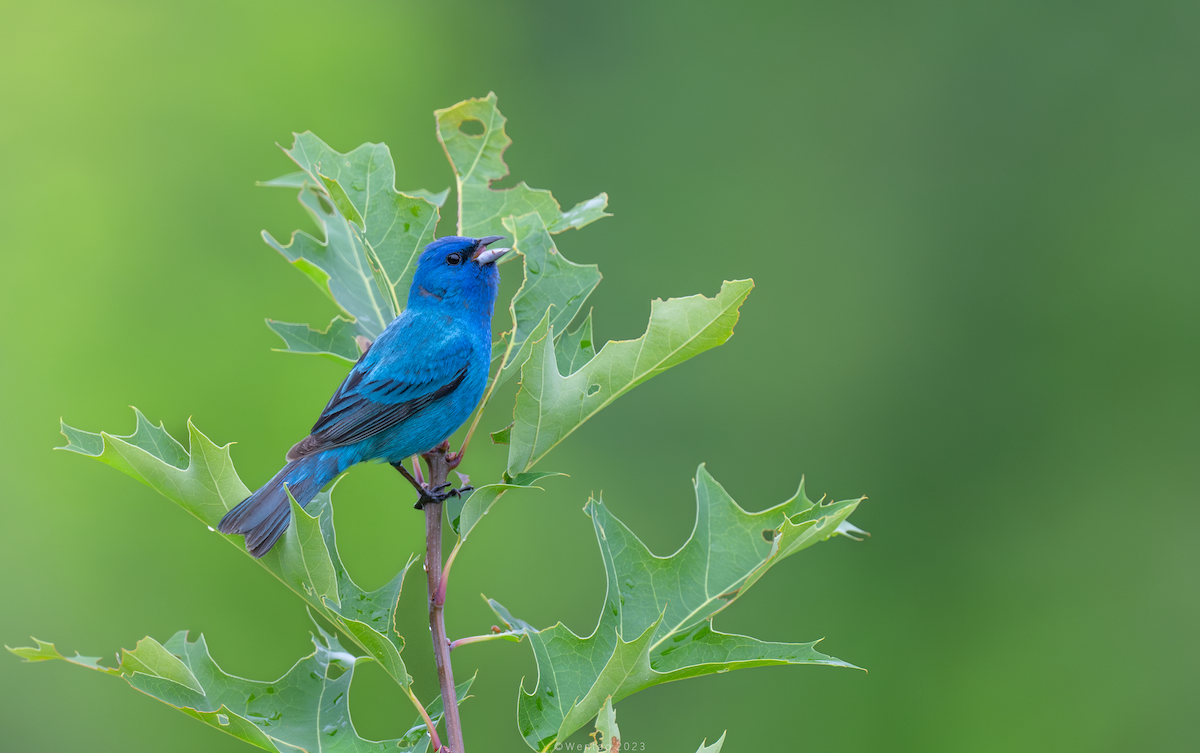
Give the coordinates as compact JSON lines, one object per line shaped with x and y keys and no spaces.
{"x":974,"y":231}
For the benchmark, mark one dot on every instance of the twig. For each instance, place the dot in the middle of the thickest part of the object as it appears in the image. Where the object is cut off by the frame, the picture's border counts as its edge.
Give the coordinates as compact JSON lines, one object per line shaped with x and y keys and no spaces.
{"x":505,"y":634}
{"x":434,"y":741}
{"x":438,"y":470}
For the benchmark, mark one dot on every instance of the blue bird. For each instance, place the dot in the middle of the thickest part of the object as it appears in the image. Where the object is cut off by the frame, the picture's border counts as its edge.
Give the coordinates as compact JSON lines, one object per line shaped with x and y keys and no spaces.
{"x":410,"y":390}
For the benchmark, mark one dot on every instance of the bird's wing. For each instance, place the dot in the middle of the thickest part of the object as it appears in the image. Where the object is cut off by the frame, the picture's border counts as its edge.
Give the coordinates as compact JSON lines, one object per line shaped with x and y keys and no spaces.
{"x":386,"y":388}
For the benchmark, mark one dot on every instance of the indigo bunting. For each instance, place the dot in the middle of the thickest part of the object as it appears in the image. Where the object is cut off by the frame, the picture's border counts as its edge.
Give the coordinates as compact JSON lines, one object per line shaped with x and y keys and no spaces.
{"x":410,"y":390}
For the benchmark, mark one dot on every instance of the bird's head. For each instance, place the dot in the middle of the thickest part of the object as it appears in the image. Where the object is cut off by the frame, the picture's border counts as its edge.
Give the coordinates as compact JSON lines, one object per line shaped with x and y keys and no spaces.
{"x":458,"y":271}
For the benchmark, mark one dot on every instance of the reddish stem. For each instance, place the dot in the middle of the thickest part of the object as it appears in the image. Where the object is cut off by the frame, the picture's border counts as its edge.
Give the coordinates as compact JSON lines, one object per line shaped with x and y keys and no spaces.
{"x":438,"y":471}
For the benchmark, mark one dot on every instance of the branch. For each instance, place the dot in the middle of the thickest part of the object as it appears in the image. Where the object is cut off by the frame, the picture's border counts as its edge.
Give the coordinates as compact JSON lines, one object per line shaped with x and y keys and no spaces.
{"x":438,"y":470}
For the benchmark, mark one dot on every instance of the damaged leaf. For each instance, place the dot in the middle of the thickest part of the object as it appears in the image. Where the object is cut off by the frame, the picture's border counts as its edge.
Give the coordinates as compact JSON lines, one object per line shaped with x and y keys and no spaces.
{"x":478,"y":160}
{"x":550,"y":406}
{"x":203,"y":481}
{"x":307,"y":709}
{"x":656,"y":625}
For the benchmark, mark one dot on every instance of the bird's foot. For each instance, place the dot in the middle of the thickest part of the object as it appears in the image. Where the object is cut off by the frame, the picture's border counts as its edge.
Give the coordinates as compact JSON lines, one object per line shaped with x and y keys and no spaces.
{"x":437,"y":494}
{"x":440,"y":494}
{"x":441,"y":453}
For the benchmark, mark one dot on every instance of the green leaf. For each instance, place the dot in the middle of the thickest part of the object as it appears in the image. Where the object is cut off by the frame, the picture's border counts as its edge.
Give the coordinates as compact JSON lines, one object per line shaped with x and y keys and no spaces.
{"x":204,"y":482}
{"x":607,"y":737}
{"x":529,"y":216}
{"x":606,"y":724}
{"x":550,"y":406}
{"x":552,"y":284}
{"x":478,"y":160}
{"x":306,"y":562}
{"x":150,"y":658}
{"x":851,"y":531}
{"x":437,"y":199}
{"x":464,"y":513}
{"x":298,"y":179}
{"x":714,"y":748}
{"x":292,"y":180}
{"x":656,"y":625}
{"x":574,"y":348}
{"x":338,"y":264}
{"x":46,"y":652}
{"x":340,"y":199}
{"x":363,"y":218}
{"x":306,"y":709}
{"x":503,"y":436}
{"x":335,"y":342}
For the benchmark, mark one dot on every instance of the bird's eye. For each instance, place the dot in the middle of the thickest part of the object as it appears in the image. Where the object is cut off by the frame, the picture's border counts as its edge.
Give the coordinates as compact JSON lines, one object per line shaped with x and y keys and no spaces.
{"x":454,"y":259}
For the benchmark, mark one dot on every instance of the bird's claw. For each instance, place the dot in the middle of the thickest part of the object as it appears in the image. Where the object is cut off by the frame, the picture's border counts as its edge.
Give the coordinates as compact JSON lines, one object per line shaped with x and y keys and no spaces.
{"x":431,"y":495}
{"x":440,"y":494}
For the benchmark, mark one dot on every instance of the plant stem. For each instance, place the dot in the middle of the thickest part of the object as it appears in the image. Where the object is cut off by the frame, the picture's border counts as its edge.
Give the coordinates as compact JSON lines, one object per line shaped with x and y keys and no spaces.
{"x":434,"y":740}
{"x":485,"y":637}
{"x":438,"y":471}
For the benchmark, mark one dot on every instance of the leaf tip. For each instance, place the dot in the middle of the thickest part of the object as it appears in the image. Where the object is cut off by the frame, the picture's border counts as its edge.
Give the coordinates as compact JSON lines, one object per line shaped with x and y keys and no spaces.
{"x":833,"y":661}
{"x":851,"y":531}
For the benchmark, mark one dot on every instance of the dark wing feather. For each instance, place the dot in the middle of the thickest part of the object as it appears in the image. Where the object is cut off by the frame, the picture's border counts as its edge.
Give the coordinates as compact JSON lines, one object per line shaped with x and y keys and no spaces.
{"x":351,"y":417}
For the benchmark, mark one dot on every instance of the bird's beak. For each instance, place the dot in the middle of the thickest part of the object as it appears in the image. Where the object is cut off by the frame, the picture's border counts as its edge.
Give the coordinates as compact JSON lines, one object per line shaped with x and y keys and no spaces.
{"x":489,"y":255}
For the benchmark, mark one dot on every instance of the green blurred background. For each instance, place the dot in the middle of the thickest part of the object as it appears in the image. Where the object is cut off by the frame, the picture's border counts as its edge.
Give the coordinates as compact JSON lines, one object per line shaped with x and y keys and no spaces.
{"x":974,"y":231}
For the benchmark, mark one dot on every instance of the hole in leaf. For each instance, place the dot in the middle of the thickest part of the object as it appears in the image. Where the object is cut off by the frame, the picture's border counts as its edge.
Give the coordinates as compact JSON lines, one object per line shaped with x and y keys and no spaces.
{"x":222,"y":720}
{"x":472,"y":127}
{"x":593,"y":389}
{"x":769,"y":534}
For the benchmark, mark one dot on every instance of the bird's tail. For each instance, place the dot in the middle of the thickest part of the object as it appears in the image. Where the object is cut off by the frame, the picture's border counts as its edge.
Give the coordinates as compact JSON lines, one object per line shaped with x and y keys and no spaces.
{"x":264,"y":515}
